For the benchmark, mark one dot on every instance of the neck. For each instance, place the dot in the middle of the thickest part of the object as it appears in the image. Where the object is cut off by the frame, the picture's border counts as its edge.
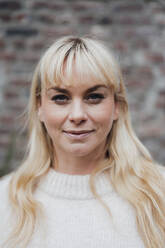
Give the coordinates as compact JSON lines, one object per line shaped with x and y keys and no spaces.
{"x":78,"y":165}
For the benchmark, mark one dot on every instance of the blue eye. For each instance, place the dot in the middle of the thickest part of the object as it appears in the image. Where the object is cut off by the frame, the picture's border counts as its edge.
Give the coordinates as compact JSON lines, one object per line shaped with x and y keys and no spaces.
{"x":60,"y":99}
{"x":95,"y":97}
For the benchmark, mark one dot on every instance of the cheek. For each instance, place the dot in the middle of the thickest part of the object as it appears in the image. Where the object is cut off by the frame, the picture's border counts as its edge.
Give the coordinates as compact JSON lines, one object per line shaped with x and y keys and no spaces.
{"x":103,"y":116}
{"x":53,"y":118}
{"x":104,"y":121}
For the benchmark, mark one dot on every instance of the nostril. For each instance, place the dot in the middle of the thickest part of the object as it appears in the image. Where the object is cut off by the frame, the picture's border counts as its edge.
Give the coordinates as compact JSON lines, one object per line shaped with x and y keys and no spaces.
{"x":78,"y":117}
{"x":77,"y":121}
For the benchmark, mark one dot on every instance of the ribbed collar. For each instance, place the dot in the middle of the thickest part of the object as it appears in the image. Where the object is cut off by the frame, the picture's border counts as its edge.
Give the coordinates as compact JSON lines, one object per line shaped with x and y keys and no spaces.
{"x":73,"y":186}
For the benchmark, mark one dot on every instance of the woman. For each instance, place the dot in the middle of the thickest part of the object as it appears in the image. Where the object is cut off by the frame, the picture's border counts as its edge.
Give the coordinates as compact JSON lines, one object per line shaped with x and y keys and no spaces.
{"x":87,"y":180}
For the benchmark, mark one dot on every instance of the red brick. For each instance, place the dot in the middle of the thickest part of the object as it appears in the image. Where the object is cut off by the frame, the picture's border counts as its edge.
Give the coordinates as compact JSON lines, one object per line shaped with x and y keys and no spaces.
{"x":127,"y":20}
{"x":4,"y":130}
{"x":46,"y":19}
{"x":82,"y":6}
{"x":30,"y":57}
{"x":59,"y":6}
{"x":87,"y":19}
{"x":162,"y":69}
{"x":156,"y":57}
{"x":121,"y":46}
{"x":19,"y":17}
{"x":48,"y":5}
{"x":161,"y":100}
{"x":159,"y":8}
{"x":2,"y":43}
{"x":10,"y":94}
{"x":19,"y":44}
{"x":37,"y":45}
{"x":5,"y":17}
{"x":55,"y":33}
{"x":8,"y":56}
{"x":141,"y":43}
{"x":138,"y":82}
{"x":162,"y":93}
{"x":4,"y":141}
{"x":17,"y":109}
{"x":145,"y":72}
{"x":40,"y":5}
{"x":130,"y":33}
{"x":5,"y":120}
{"x":128,"y":7}
{"x":20,"y":83}
{"x":126,"y":70}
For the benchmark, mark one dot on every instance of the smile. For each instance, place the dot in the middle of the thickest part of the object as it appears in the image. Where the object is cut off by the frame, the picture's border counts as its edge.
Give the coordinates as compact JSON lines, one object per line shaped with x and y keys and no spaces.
{"x":78,"y":135}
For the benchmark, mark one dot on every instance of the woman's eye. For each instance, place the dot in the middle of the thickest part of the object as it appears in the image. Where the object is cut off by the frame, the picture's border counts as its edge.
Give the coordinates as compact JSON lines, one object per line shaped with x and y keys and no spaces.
{"x":95,"y":98}
{"x":60,"y":99}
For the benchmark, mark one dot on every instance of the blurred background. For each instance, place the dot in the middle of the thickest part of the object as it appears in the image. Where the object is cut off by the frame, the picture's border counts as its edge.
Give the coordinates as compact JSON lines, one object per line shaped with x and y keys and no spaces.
{"x":133,"y":29}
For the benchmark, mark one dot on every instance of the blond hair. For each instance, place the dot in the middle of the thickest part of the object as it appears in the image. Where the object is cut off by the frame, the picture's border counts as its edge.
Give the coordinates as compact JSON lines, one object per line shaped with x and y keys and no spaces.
{"x":128,"y":164}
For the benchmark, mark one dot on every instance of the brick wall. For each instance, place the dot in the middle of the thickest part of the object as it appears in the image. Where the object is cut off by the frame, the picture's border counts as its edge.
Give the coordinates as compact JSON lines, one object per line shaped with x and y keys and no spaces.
{"x":135,"y":30}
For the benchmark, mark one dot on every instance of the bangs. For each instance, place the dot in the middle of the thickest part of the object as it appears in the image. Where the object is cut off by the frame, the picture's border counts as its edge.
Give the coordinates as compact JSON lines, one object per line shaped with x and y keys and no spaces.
{"x":76,"y":62}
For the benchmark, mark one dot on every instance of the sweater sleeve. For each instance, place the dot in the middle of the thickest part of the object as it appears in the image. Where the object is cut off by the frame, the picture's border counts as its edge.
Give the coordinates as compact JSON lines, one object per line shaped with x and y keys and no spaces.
{"x":162,"y":170}
{"x":5,"y":209}
{"x":4,"y":190}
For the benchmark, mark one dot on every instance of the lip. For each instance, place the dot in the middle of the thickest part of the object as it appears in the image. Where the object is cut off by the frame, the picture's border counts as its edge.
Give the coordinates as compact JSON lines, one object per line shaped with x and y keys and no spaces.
{"x":78,"y":131}
{"x":78,"y":135}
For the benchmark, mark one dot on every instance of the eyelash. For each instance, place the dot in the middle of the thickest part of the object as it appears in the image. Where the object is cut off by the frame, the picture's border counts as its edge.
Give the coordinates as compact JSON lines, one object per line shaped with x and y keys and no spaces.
{"x":92,"y":98}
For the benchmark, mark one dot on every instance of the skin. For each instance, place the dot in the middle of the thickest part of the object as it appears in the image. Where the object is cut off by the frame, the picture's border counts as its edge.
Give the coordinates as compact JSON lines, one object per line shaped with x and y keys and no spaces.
{"x":78,"y":109}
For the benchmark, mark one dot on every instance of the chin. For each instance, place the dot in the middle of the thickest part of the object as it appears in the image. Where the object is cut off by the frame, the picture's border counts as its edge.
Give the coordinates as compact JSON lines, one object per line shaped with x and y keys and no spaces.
{"x":80,"y":151}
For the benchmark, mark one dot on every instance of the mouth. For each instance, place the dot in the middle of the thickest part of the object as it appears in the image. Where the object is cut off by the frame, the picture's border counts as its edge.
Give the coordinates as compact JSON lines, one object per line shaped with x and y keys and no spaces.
{"x":78,"y":134}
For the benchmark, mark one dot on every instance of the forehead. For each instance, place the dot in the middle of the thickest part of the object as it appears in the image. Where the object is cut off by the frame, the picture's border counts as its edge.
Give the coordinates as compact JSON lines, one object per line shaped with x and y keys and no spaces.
{"x":74,"y":77}
{"x":77,"y":83}
{"x":69,"y":65}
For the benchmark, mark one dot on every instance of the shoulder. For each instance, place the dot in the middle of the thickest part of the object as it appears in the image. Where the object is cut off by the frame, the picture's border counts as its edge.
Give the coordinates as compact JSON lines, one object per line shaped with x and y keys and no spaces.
{"x":5,"y":208}
{"x":4,"y":190}
{"x":4,"y":182}
{"x":161,"y":170}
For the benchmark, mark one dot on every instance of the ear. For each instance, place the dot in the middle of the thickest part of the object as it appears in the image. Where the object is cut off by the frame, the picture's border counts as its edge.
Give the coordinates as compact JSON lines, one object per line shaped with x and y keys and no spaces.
{"x":116,"y":111}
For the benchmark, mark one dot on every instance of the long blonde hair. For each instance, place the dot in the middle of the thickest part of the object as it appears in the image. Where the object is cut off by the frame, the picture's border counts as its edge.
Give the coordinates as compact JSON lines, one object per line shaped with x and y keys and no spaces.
{"x":128,"y":164}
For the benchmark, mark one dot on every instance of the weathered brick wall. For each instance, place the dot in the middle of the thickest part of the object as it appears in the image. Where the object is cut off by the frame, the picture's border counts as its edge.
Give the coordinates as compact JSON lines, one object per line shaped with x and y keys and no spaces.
{"x":134,"y":29}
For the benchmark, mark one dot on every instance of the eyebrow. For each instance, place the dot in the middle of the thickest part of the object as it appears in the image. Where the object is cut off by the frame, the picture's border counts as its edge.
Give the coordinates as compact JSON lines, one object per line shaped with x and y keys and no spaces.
{"x":62,"y":90}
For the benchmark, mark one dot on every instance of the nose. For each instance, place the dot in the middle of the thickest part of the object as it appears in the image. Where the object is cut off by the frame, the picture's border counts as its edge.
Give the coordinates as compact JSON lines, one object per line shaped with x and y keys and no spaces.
{"x":77,"y":112}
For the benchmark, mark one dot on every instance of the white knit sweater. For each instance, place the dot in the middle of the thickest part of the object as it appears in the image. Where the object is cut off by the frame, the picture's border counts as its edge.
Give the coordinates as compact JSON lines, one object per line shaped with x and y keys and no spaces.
{"x":74,"y":218}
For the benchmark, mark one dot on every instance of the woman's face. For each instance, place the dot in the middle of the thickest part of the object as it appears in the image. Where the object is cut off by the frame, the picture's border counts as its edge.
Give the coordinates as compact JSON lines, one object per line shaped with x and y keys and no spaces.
{"x":78,"y":118}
